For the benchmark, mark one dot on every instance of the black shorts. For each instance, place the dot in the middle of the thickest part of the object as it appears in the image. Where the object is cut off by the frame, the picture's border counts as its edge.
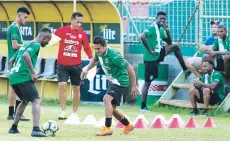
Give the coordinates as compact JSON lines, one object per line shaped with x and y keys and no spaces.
{"x":215,"y":99}
{"x":26,"y":91}
{"x":116,"y":92}
{"x":151,"y":67}
{"x":72,"y":72}
{"x":220,"y":64}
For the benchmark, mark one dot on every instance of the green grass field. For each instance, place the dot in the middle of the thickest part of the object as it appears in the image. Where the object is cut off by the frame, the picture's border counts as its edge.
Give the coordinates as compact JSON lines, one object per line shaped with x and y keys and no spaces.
{"x":50,"y":111}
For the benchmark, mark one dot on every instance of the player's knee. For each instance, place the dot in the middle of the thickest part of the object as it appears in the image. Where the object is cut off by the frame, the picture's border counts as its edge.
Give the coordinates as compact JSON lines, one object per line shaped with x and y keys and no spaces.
{"x":62,"y":85}
{"x":37,"y":101}
{"x":175,"y":46}
{"x":76,"y":88}
{"x":24,"y":102}
{"x":192,"y":91}
{"x":107,"y":98}
{"x":206,"y":91}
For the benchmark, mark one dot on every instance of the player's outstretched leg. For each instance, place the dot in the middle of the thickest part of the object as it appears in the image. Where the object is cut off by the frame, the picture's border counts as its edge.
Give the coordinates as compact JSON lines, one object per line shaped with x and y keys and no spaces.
{"x":36,"y":132}
{"x":20,"y":110}
{"x":128,"y":127}
{"x":106,"y":131}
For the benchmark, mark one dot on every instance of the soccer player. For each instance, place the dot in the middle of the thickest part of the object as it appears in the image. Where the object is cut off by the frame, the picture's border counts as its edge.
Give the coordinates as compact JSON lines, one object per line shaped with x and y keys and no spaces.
{"x":194,"y":64}
{"x":208,"y":90}
{"x":221,"y":48}
{"x":118,"y":72}
{"x":155,"y":52}
{"x":14,"y":42}
{"x":22,"y":77}
{"x":73,"y":38}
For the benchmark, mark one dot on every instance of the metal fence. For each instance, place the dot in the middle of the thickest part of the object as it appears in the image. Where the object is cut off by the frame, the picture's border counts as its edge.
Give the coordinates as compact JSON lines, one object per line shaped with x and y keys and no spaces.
{"x":140,"y":14}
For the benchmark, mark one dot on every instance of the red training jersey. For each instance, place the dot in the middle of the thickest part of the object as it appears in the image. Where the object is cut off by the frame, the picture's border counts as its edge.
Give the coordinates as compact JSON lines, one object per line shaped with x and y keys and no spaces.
{"x":70,"y":46}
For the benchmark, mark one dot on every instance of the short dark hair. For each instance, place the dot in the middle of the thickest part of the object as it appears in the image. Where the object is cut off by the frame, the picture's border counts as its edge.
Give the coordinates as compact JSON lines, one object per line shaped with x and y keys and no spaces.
{"x":161,"y":13}
{"x":99,"y":40}
{"x":78,"y":14}
{"x":222,"y":26}
{"x":45,"y":30}
{"x":23,"y":10}
{"x":209,"y":61}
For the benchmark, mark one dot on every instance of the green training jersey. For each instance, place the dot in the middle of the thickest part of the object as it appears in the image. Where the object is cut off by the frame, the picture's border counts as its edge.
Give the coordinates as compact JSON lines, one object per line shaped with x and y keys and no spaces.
{"x":20,"y":71}
{"x":115,"y":67}
{"x":226,"y":44}
{"x":151,"y":37}
{"x":13,"y":33}
{"x":215,"y":77}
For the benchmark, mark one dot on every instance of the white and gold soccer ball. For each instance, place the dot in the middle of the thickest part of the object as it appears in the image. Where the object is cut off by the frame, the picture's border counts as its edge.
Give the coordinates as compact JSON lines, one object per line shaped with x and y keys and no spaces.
{"x":50,"y":128}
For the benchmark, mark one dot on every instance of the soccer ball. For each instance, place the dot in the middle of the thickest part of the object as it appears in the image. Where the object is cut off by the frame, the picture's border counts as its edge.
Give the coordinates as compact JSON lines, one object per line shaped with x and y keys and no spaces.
{"x":50,"y":128}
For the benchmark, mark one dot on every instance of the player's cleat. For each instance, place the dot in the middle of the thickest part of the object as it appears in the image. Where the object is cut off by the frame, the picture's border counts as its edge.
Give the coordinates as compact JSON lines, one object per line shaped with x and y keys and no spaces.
{"x":106,"y":131}
{"x":193,"y":113}
{"x":127,"y":129}
{"x":145,"y":109}
{"x":13,"y":131}
{"x":24,"y":118}
{"x":38,"y":133}
{"x":10,"y":117}
{"x":63,"y":116}
{"x":204,"y":113}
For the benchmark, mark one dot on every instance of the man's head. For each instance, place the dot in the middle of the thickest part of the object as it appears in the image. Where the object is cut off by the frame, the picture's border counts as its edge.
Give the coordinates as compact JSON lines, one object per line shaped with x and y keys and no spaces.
{"x":207,"y":66}
{"x":214,"y":25}
{"x":76,"y":20}
{"x":44,"y":36}
{"x":99,"y":45}
{"x":160,"y":19}
{"x":22,"y":15}
{"x":221,"y":31}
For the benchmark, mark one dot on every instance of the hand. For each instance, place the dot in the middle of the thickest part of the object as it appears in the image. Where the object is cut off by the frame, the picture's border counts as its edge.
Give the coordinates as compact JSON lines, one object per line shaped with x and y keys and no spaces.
{"x":196,"y":82}
{"x":134,"y":91}
{"x":152,"y":52}
{"x":203,"y":48}
{"x":83,"y":74}
{"x":34,"y":77}
{"x":213,"y":53}
{"x":165,"y":26}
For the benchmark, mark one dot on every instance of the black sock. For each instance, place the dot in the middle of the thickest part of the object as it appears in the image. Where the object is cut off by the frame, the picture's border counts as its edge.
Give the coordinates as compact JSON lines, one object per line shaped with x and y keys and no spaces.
{"x":195,"y":110}
{"x":11,"y":110}
{"x":125,"y":121}
{"x":14,"y":126}
{"x":108,"y":122}
{"x":143,"y":105}
{"x":36,"y":128}
{"x":16,"y":105}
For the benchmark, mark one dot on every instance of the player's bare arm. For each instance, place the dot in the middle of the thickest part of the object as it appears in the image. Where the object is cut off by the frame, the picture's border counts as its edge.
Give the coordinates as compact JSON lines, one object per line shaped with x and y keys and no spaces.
{"x":93,"y":62}
{"x":27,"y":59}
{"x":168,"y":40}
{"x":205,"y":48}
{"x":214,"y":53}
{"x":132,"y":76}
{"x":15,"y":44}
{"x":11,"y":62}
{"x":210,"y":86}
{"x":144,"y":42}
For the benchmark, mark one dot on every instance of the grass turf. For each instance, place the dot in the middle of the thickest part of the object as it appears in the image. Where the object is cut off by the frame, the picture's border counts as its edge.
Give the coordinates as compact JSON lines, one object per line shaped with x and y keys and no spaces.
{"x":50,"y":110}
